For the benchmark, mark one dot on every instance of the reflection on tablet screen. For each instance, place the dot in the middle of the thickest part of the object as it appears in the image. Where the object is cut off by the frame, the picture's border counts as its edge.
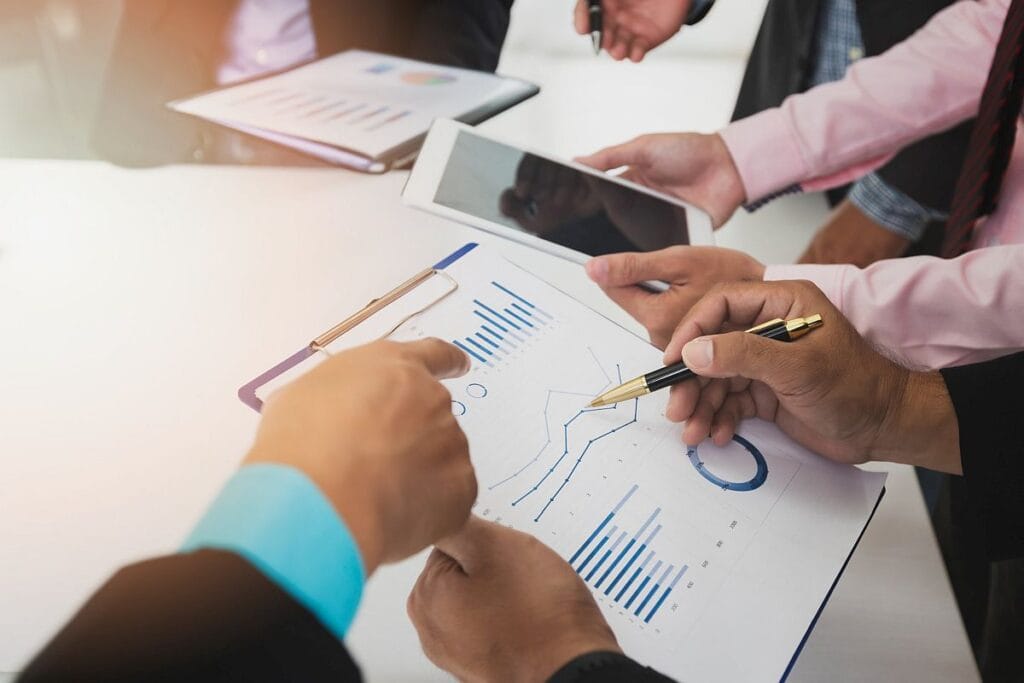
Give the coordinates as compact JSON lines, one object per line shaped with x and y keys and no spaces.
{"x":588,"y":213}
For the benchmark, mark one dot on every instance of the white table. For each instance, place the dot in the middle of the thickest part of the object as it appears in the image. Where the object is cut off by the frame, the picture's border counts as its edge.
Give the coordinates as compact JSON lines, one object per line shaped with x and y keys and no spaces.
{"x":134,"y":303}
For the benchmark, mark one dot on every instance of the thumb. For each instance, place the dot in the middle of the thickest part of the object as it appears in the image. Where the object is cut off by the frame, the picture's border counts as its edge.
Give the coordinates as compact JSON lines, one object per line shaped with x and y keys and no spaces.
{"x":741,"y":354}
{"x":621,"y":270}
{"x":471,"y":545}
{"x":626,"y":154}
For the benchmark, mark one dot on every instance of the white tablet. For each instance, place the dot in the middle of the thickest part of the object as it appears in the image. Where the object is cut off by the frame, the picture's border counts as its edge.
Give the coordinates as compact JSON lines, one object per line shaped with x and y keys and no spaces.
{"x":560,"y":207}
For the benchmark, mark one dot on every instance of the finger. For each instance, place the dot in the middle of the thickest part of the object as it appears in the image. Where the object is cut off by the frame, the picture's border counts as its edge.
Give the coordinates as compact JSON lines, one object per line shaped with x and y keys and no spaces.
{"x":613,"y":157}
{"x":441,"y":359}
{"x":639,"y":303}
{"x":581,"y":17}
{"x":783,"y":367}
{"x":471,"y":545}
{"x":698,"y":427}
{"x":637,"y":50}
{"x":739,"y":305}
{"x":682,"y":401}
{"x":619,"y":270}
{"x":736,"y":408}
{"x":620,"y":49}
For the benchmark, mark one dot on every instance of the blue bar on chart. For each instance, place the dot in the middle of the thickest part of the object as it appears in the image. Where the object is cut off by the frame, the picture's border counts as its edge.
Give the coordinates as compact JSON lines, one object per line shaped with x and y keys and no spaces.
{"x":507,"y":320}
{"x":664,"y":595}
{"x":609,"y":560}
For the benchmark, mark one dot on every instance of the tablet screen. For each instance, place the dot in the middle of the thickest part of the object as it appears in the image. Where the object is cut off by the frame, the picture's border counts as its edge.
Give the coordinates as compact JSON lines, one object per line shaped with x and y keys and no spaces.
{"x":558,"y":203}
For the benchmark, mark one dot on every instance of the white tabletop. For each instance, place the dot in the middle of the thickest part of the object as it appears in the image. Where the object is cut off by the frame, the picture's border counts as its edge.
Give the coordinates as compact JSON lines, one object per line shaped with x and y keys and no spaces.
{"x":134,"y":303}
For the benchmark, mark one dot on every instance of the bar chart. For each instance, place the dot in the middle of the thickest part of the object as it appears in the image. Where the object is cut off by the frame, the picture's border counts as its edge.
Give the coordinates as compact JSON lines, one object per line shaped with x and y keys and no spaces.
{"x":507,"y":320}
{"x":624,"y":567}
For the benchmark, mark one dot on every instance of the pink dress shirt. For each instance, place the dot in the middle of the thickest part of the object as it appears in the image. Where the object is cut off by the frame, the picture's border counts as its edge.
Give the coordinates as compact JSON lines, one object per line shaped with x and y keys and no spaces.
{"x":930,"y":312}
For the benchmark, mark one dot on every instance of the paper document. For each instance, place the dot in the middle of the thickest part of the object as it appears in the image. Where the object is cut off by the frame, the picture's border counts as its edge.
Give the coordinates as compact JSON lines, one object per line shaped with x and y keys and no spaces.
{"x":364,"y":102}
{"x":709,"y":563}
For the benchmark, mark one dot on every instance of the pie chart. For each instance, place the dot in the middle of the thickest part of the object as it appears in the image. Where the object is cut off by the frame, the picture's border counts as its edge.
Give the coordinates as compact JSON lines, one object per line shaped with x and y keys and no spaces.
{"x":427,"y":78}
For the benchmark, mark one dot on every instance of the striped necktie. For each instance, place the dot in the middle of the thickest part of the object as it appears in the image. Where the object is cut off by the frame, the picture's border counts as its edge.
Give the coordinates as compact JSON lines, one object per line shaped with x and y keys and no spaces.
{"x":992,"y":138}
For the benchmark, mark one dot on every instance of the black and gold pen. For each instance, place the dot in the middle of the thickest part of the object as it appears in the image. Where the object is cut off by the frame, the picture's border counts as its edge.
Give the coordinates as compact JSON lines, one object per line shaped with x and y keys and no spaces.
{"x":782,"y":330}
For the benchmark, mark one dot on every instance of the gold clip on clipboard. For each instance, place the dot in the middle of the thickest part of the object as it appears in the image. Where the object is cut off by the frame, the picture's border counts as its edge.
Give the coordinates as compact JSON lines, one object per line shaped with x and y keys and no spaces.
{"x":247,"y":393}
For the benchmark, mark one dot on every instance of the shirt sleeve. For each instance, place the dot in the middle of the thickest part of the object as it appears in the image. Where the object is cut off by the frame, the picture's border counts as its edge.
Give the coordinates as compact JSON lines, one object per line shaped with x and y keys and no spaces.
{"x":929,"y":312}
{"x":987,"y":401}
{"x":891,"y":208}
{"x":840,"y":131}
{"x":276,"y":518}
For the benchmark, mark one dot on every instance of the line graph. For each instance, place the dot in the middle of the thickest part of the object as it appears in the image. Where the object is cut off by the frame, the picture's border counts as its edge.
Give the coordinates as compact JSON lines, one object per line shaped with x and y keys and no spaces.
{"x":567,"y":445}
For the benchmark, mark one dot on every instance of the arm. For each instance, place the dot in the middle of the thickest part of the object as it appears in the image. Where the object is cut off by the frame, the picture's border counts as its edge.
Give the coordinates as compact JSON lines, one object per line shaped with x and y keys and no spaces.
{"x":463,"y":33}
{"x":930,"y":312}
{"x":208,"y":615}
{"x":357,"y":463}
{"x":839,"y":131}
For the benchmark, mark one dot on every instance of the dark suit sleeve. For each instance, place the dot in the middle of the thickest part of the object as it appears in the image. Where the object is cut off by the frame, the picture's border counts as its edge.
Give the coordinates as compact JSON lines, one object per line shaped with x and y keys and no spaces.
{"x":463,"y":33}
{"x":202,"y":616}
{"x":606,"y":667}
{"x":989,"y":408}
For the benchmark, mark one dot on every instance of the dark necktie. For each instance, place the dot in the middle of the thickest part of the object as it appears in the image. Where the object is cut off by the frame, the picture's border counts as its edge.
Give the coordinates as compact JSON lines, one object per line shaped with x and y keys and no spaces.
{"x":992,"y":138}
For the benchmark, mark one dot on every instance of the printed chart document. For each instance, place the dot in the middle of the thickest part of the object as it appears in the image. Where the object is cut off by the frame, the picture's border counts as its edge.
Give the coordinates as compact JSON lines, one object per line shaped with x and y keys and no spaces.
{"x":710,"y":564}
{"x":356,"y":108}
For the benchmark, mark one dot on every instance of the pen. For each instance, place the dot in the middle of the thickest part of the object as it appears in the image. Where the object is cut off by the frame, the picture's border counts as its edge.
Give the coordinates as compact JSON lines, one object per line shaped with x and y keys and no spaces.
{"x":782,"y":330}
{"x":595,"y":24}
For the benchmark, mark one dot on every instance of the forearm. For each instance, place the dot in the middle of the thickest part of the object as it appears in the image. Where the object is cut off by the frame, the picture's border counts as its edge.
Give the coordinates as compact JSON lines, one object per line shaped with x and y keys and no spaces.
{"x":841,"y":130}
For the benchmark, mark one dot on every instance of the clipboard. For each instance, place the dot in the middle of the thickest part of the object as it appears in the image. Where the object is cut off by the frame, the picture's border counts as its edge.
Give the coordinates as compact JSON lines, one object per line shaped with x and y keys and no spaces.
{"x":319,"y":345}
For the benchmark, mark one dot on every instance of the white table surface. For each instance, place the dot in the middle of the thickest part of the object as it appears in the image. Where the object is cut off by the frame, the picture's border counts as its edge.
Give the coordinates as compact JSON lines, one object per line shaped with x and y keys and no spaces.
{"x":134,"y":303}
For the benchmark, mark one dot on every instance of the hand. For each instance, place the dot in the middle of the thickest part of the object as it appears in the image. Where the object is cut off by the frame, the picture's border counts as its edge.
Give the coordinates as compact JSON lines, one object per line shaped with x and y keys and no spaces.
{"x":374,"y":430}
{"x":689,"y":271}
{"x":493,"y":604}
{"x":694,"y":167}
{"x":850,"y":236}
{"x":829,"y":390}
{"x":634,"y":27}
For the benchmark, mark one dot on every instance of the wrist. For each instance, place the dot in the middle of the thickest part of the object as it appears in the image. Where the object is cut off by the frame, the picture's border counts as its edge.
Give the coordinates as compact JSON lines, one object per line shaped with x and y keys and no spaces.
{"x":920,"y":426}
{"x":352,"y":499}
{"x":558,"y":652}
{"x":727,"y":184}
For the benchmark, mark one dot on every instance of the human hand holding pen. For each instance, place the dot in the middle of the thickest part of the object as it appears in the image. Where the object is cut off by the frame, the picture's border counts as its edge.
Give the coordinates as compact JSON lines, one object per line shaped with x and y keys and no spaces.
{"x":631,"y":28}
{"x":830,"y":391}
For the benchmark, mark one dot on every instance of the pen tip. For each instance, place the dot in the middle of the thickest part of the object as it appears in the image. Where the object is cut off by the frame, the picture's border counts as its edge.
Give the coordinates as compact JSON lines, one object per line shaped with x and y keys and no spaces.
{"x":595,"y":40}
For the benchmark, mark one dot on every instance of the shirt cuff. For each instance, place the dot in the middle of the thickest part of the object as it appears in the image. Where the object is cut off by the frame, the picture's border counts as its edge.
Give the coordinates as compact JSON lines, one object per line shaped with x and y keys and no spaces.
{"x":891,"y":208}
{"x":276,"y":518}
{"x":698,"y":10}
{"x":829,"y":278}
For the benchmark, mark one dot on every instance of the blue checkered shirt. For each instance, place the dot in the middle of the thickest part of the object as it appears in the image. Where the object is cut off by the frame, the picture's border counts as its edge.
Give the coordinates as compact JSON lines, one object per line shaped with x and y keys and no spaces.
{"x":839,"y":44}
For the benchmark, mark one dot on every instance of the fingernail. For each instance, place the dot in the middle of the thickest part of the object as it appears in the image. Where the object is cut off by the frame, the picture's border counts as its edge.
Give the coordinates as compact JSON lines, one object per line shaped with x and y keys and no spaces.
{"x":597,"y":269}
{"x":699,"y":353}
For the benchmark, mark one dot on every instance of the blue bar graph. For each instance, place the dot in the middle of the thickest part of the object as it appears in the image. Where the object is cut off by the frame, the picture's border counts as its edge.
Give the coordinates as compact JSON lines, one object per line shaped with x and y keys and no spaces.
{"x":507,"y":319}
{"x":664,"y":595}
{"x":611,"y":562}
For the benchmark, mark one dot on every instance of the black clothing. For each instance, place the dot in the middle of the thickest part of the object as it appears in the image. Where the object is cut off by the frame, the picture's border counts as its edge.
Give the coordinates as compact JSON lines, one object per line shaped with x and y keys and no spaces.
{"x":211,"y":616}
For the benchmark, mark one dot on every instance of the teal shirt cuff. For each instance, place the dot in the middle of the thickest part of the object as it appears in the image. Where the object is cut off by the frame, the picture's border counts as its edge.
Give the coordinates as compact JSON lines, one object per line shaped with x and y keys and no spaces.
{"x":276,"y":518}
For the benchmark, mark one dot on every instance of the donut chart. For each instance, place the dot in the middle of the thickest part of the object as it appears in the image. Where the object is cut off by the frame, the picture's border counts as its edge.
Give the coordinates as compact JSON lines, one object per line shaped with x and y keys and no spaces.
{"x":753,"y":483}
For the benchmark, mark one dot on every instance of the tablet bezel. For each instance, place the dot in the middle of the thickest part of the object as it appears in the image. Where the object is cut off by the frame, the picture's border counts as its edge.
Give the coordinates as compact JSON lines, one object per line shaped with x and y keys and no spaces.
{"x":421,"y":188}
